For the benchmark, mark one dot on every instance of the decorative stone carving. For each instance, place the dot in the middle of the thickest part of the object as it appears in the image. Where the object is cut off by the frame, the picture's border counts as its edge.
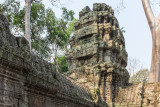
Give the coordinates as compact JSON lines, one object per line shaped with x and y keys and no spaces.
{"x":97,"y":76}
{"x":100,"y":49}
{"x":28,"y":81}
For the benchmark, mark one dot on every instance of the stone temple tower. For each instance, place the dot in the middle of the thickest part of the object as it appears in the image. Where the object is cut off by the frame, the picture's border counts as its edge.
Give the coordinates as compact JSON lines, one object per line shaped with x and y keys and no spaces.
{"x":97,"y":57}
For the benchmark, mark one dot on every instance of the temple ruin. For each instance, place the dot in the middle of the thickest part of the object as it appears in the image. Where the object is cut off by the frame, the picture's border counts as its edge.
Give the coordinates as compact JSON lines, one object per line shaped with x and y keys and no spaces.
{"x":28,"y":81}
{"x":97,"y":76}
{"x":97,"y":58}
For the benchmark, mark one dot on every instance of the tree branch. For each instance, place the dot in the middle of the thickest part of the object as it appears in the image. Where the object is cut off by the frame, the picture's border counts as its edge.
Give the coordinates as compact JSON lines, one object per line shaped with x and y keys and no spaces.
{"x":149,"y":13}
{"x":35,"y":1}
{"x":54,"y":1}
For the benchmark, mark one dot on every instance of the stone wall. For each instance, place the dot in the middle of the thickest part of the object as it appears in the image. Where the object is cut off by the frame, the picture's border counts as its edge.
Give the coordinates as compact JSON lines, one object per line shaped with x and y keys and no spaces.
{"x":28,"y":81}
{"x":97,"y":58}
{"x":97,"y":76}
{"x":139,"y":95}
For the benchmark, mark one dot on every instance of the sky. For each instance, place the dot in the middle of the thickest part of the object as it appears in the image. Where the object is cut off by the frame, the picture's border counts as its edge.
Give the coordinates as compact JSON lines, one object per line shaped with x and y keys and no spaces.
{"x":137,"y":36}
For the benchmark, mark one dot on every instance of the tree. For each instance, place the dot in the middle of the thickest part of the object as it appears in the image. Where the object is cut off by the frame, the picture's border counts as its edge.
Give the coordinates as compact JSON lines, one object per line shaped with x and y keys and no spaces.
{"x":59,"y":31}
{"x":27,"y":18}
{"x":140,"y":76}
{"x":154,"y":25}
{"x":46,"y":29}
{"x":27,"y":21}
{"x":54,"y":1}
{"x":120,"y":7}
{"x":133,"y":66}
{"x":38,"y":24}
{"x":62,"y":62}
{"x":9,"y":8}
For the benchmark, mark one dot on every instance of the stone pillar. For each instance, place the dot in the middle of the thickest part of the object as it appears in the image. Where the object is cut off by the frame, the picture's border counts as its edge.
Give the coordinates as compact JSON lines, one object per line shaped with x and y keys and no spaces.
{"x":103,"y":89}
{"x":109,"y":87}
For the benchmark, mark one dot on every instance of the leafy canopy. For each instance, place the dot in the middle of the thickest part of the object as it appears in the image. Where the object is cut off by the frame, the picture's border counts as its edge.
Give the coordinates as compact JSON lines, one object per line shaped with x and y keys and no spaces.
{"x":46,"y":29}
{"x":62,"y":62}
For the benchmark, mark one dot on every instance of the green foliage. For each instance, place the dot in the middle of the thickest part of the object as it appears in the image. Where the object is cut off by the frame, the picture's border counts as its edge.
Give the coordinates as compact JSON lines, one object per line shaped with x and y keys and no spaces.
{"x":59,"y":30}
{"x":18,"y":20}
{"x":122,"y":30}
{"x":48,"y":33}
{"x":9,"y":8}
{"x":140,"y":76}
{"x":46,"y":29}
{"x":38,"y":23}
{"x":67,"y":15}
{"x":96,"y":90}
{"x":82,"y":41}
{"x":62,"y":62}
{"x":37,"y":19}
{"x":99,"y":37}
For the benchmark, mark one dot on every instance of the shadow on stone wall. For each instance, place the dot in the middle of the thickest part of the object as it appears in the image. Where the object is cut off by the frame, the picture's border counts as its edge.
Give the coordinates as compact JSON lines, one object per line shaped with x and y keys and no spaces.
{"x":28,"y":81}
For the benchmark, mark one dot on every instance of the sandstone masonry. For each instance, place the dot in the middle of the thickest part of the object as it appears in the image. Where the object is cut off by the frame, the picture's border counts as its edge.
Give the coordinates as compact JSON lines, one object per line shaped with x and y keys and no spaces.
{"x":28,"y":81}
{"x":97,"y":58}
{"x":97,"y":75}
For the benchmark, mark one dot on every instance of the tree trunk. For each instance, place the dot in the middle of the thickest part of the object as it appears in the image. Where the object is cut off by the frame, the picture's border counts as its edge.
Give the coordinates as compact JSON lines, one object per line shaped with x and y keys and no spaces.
{"x":154,"y":75}
{"x":27,"y":21}
{"x":154,"y":24}
{"x":55,"y":50}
